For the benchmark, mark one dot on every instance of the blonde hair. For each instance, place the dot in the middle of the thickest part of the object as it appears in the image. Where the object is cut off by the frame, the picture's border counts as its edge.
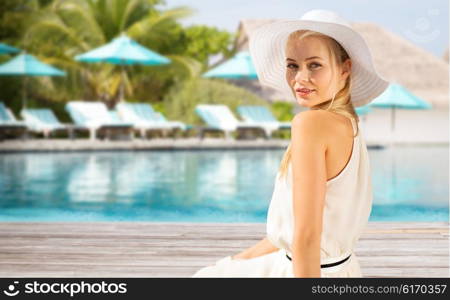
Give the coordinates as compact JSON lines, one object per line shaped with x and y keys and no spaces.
{"x":340,"y":103}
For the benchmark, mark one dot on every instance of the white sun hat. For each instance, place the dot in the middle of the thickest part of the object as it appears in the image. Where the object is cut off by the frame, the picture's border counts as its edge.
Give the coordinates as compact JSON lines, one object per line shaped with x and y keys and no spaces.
{"x":267,"y":48}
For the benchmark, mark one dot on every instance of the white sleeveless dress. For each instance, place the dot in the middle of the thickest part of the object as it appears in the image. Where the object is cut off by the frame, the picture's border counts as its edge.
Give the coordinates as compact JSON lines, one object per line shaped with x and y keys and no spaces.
{"x":347,"y":208}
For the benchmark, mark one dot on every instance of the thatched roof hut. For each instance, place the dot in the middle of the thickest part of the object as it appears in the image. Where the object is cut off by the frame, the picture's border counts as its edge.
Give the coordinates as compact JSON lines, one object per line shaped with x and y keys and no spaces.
{"x":396,"y":59}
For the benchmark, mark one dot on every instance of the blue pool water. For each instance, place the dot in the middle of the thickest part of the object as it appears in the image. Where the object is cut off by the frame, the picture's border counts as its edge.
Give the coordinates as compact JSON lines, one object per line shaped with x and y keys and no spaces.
{"x":409,"y":183}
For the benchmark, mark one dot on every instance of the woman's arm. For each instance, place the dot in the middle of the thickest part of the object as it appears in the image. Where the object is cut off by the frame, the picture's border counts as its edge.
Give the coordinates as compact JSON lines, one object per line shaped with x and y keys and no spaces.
{"x":261,"y":248}
{"x":309,"y":144}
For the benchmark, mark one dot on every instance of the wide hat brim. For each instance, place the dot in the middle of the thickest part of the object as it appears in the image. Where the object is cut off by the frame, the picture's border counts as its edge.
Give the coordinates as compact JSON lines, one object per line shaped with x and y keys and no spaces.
{"x":267,"y":49}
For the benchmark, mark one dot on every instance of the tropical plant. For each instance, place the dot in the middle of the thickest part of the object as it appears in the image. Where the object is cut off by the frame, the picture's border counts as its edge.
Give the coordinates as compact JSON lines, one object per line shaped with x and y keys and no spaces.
{"x":58,"y":30}
{"x":283,"y":110}
{"x":181,"y":100}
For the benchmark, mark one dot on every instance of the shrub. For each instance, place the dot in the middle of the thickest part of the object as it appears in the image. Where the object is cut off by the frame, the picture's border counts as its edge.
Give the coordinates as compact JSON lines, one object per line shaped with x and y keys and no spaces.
{"x":180,"y":102}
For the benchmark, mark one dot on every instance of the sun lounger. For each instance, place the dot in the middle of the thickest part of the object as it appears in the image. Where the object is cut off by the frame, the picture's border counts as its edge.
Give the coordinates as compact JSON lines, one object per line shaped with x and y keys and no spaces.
{"x":43,"y":120}
{"x":9,"y":126}
{"x":261,"y":115}
{"x":145,"y":118}
{"x":173,"y":124}
{"x":219,"y":117}
{"x":96,"y":118}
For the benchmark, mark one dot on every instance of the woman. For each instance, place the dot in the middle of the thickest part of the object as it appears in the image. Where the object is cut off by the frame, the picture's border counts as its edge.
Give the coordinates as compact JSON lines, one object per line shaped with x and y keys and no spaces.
{"x":322,"y":197}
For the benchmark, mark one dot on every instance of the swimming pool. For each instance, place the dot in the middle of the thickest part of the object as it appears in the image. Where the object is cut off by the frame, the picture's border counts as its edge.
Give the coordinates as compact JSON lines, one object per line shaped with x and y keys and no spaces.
{"x":409,"y":183}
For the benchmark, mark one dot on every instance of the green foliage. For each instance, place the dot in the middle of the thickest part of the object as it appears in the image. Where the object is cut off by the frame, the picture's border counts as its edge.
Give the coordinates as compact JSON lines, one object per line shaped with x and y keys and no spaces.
{"x":283,"y":111}
{"x":12,"y":18}
{"x":159,"y":107}
{"x":181,"y":100}
{"x":57,"y":30}
{"x":204,"y":41}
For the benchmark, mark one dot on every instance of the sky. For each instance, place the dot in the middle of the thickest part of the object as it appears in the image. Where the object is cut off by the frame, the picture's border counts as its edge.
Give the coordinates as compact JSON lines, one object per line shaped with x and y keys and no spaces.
{"x":424,"y":23}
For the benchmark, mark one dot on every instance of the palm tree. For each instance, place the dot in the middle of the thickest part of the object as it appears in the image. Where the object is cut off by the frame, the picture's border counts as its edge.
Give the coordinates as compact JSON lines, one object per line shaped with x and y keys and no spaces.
{"x":64,"y":28}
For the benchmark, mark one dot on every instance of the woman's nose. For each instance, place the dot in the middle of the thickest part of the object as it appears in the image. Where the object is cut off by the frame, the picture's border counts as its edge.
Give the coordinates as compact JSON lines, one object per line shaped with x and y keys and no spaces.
{"x":302,"y":76}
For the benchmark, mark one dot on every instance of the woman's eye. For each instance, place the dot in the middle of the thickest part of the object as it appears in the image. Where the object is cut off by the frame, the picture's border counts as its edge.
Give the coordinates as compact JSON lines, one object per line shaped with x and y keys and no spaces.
{"x":311,"y":65}
{"x":290,"y":66}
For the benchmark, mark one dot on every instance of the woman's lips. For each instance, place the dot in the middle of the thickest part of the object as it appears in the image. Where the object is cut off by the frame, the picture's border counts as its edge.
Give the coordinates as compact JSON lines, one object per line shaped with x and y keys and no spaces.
{"x":303,"y":92}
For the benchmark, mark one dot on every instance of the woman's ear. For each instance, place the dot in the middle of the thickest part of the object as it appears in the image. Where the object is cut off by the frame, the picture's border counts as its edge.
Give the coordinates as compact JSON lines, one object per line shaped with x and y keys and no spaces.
{"x":346,"y":68}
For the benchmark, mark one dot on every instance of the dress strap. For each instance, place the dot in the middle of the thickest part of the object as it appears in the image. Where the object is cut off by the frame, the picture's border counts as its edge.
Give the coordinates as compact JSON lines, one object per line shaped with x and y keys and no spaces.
{"x":353,"y":121}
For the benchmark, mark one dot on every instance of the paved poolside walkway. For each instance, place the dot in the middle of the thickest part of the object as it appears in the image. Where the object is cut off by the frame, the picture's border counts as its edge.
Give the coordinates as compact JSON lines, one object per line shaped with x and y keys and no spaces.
{"x":46,"y":145}
{"x":113,"y":249}
{"x":139,"y":144}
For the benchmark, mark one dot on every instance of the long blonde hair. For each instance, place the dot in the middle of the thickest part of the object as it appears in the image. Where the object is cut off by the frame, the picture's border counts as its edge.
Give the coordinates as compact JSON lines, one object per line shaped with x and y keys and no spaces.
{"x":340,"y":103}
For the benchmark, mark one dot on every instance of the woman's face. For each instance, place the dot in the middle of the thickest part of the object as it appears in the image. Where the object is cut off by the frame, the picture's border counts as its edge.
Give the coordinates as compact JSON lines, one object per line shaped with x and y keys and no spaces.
{"x":308,"y":66}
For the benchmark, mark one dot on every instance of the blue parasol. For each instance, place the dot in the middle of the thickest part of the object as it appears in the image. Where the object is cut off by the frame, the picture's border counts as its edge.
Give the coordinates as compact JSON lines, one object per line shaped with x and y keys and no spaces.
{"x":4,"y":49}
{"x":27,"y":65}
{"x":123,"y":51}
{"x":240,"y":66}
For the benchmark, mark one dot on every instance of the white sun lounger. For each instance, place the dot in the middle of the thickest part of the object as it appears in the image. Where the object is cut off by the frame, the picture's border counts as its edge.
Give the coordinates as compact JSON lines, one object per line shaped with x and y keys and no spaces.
{"x":145,"y":118}
{"x":219,"y":117}
{"x":95,"y":116}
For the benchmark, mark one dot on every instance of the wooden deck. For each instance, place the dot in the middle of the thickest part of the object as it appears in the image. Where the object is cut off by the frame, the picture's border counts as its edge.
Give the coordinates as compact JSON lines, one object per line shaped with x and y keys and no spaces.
{"x":394,"y":249}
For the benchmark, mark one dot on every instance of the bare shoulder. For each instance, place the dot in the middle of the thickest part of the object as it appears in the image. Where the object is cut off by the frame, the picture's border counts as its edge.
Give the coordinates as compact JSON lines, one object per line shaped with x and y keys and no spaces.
{"x":312,"y":121}
{"x":313,"y":127}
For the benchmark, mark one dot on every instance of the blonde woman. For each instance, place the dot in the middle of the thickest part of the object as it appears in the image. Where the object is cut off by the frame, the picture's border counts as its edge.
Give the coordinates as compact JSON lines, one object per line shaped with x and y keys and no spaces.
{"x":322,"y":197}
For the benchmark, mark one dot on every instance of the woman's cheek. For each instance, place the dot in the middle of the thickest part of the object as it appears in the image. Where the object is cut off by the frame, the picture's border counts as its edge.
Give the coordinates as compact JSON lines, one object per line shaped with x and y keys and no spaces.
{"x":289,"y":78}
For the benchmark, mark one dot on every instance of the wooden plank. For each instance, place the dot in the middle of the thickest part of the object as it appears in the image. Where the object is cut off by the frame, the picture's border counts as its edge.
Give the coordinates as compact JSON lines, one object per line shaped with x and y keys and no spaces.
{"x":116,"y":249}
{"x":104,"y":226}
{"x":166,"y":272}
{"x":201,"y":234}
{"x":198,"y":260}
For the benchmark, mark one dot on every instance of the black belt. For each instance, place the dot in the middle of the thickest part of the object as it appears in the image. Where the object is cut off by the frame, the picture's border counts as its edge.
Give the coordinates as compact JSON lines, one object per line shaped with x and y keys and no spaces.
{"x":327,"y":265}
